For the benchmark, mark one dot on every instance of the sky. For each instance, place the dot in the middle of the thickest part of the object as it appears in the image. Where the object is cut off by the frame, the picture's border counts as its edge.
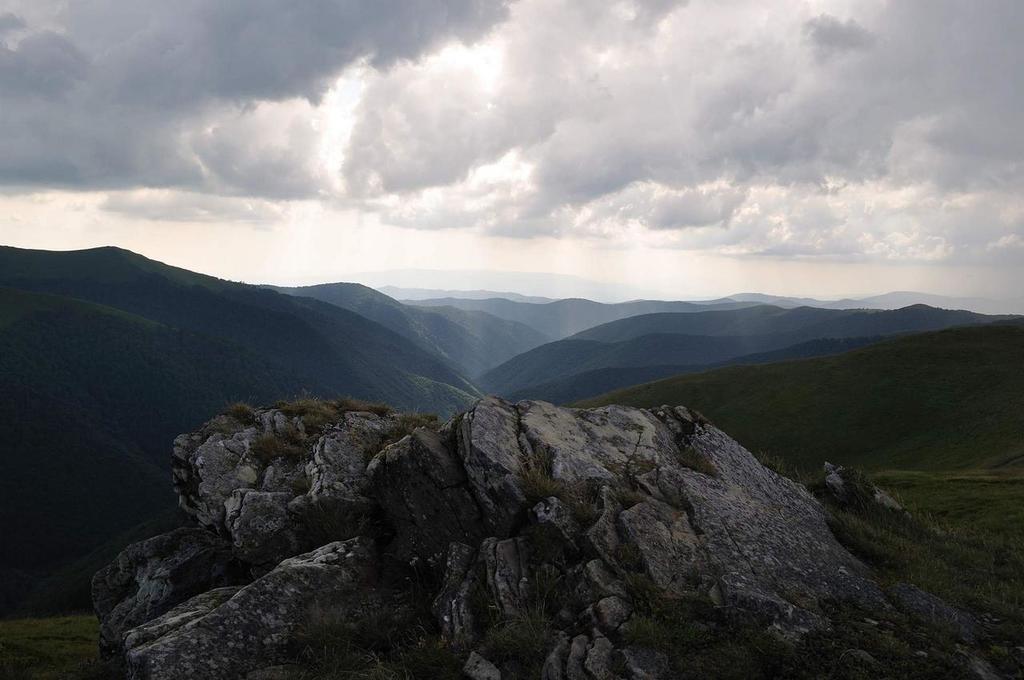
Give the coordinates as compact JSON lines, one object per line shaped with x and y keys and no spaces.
{"x":683,"y":149}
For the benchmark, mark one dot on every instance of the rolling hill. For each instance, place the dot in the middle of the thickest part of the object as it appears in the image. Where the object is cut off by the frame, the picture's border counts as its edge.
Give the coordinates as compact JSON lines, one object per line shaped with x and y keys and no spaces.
{"x":562,"y":318}
{"x":702,"y":339}
{"x":952,"y":399}
{"x":596,"y":381}
{"x":327,"y":350}
{"x":470,"y":341}
{"x":105,"y":356}
{"x":794,"y":324}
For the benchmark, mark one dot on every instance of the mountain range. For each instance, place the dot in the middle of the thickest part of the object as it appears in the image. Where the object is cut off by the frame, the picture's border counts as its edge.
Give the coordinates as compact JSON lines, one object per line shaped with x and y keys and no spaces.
{"x":470,"y":341}
{"x":106,"y":355}
{"x":689,"y":340}
{"x":945,"y":400}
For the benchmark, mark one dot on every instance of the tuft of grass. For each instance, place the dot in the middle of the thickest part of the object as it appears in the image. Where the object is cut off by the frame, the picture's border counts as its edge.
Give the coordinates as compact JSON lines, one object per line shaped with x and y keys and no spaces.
{"x":319,"y":413}
{"x":406,"y":423}
{"x":537,"y":483}
{"x":520,"y":643}
{"x":242,"y":412}
{"x":388,"y":643}
{"x":691,"y":458}
{"x":973,"y":570}
{"x":49,"y":648}
{"x":267,"y":447}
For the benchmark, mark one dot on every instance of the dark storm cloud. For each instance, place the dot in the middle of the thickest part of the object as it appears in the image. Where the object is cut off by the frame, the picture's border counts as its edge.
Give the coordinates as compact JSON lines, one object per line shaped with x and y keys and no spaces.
{"x":830,"y":35}
{"x":146,"y":85}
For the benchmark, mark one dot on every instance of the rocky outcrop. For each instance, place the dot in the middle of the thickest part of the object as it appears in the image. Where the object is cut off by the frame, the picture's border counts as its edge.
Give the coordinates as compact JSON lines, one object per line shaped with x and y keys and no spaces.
{"x":149,"y":578}
{"x":505,"y":509}
{"x":847,"y":489}
{"x":226,"y":634}
{"x":272,"y":486}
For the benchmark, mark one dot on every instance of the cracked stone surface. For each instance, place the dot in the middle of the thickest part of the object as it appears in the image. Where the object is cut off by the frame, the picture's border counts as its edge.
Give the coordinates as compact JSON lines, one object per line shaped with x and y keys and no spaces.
{"x":659,"y":496}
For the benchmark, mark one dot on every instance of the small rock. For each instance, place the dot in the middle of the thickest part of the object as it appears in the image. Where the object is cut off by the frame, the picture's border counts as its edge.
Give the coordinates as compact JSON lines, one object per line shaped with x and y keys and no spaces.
{"x":479,"y":668}
{"x":612,"y":612}
{"x":644,"y":664}
{"x":861,"y":657}
{"x":934,"y":610}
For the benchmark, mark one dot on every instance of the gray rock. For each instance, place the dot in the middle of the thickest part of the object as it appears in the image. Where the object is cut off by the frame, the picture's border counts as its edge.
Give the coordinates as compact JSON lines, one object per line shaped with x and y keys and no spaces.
{"x":598,"y":662}
{"x":552,"y":514}
{"x":424,"y":491}
{"x":258,"y":624}
{"x":190,"y":610}
{"x":612,"y":612}
{"x":554,"y":663}
{"x":837,"y":486}
{"x":221,"y":460}
{"x":282,"y":672}
{"x":507,"y":567}
{"x":645,"y":664}
{"x":576,"y":657}
{"x":667,"y":544}
{"x":479,"y":668}
{"x":150,"y":577}
{"x":339,"y":458}
{"x":763,"y":537}
{"x":493,"y":456}
{"x":934,"y":610}
{"x":452,"y":607}
{"x":262,"y":530}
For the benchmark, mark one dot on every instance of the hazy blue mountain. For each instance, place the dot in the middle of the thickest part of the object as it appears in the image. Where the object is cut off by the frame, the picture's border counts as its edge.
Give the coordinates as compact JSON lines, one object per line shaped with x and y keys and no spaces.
{"x":893,"y":300}
{"x":562,"y":318}
{"x":415,"y":294}
{"x":471,"y":341}
{"x":805,"y":323}
{"x":705,"y":338}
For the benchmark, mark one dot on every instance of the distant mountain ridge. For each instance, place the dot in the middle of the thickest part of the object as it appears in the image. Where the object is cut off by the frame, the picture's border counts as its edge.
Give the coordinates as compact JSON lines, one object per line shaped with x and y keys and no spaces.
{"x":703,"y":338}
{"x":416,"y":294}
{"x":892,"y":300}
{"x":471,"y":341}
{"x":562,"y":318}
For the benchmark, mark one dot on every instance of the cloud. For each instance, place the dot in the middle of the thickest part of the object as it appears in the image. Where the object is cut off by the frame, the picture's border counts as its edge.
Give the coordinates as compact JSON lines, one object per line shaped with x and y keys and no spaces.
{"x":620,"y":119}
{"x":177,"y":206}
{"x":155,"y":93}
{"x":833,"y":129}
{"x":830,"y":36}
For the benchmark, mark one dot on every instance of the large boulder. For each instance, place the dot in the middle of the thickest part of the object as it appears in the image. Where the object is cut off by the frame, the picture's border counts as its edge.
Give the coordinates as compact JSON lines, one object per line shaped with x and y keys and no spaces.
{"x":272,"y":483}
{"x":508,"y":509}
{"x":423,"y":489}
{"x":150,"y":577}
{"x":227,"y":634}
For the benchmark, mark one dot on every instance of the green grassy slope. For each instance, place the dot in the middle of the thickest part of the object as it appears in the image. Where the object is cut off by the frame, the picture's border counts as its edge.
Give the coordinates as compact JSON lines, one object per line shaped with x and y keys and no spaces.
{"x":471,"y":341}
{"x":50,"y":648}
{"x":587,"y":383}
{"x":89,"y":402}
{"x":950,"y":399}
